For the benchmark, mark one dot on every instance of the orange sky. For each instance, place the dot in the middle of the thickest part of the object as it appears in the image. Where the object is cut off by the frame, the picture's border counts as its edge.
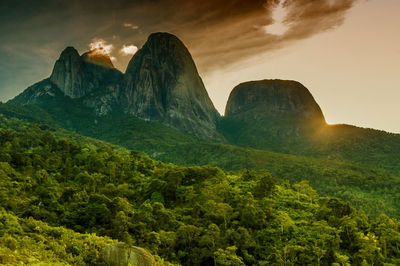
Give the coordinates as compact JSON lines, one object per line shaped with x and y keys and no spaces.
{"x":353,"y":71}
{"x":346,"y":52}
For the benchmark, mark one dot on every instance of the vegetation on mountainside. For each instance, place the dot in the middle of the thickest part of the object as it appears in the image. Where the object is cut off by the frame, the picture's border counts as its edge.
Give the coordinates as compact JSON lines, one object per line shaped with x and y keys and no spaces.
{"x":367,"y":187}
{"x":28,"y":241}
{"x":186,"y":215}
{"x":126,"y":130}
{"x":362,"y":146}
{"x":374,"y":190}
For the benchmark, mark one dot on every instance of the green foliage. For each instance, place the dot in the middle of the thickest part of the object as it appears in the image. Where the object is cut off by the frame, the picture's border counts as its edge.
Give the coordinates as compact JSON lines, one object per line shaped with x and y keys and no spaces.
{"x":366,"y":147}
{"x":183,"y":215}
{"x":371,"y":180}
{"x":27,"y":241}
{"x":374,"y":190}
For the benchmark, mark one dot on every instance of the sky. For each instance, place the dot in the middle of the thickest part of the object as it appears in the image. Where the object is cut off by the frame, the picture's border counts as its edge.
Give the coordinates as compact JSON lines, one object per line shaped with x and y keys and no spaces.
{"x":346,"y":52}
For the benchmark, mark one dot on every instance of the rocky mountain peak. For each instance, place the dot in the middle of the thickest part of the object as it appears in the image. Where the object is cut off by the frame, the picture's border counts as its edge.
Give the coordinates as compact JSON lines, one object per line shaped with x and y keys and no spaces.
{"x":77,"y":76}
{"x":276,"y":98}
{"x":67,"y":71}
{"x":162,"y":83}
{"x":98,"y":57}
{"x":69,"y":51}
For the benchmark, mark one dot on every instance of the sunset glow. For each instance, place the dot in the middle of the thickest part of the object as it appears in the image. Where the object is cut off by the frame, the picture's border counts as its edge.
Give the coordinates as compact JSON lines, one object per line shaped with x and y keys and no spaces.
{"x":345,"y":51}
{"x":278,"y":27}
{"x":101,"y":46}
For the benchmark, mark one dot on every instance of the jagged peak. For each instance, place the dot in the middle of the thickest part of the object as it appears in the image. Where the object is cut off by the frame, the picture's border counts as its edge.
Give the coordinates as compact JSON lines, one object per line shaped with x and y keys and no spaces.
{"x":98,"y":57}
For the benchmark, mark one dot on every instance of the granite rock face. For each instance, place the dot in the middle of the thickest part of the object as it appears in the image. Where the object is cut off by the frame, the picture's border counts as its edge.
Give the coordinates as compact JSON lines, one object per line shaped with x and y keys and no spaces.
{"x":278,"y":115}
{"x":77,"y":76}
{"x":276,"y":99}
{"x":67,"y":73}
{"x":43,"y":90}
{"x":162,"y":83}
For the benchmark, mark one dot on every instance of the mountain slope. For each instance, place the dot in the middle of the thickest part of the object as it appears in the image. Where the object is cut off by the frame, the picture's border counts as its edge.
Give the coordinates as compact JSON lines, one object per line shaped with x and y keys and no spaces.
{"x":367,"y":187}
{"x":86,"y":94}
{"x":185,"y":215}
{"x":77,"y":76}
{"x":162,"y":83}
{"x":282,"y":116}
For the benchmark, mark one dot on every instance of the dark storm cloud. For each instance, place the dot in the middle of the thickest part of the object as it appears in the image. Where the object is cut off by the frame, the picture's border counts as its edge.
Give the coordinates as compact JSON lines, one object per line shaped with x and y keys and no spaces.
{"x":217,"y":32}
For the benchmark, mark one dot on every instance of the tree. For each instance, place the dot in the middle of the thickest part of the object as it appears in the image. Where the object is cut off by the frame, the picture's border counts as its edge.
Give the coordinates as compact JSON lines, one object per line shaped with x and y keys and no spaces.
{"x":265,"y":185}
{"x":227,"y":256}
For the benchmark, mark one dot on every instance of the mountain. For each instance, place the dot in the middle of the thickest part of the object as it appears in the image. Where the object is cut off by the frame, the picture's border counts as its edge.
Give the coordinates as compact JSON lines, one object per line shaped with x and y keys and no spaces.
{"x":278,"y":98}
{"x":161,"y":84}
{"x":161,"y":103}
{"x":270,"y":114}
{"x":77,"y":76}
{"x":97,"y":56}
{"x":188,"y":215}
{"x":283,"y":116}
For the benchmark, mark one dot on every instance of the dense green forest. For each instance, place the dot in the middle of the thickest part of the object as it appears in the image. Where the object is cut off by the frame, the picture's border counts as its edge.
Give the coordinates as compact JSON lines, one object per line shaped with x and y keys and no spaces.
{"x":182,"y":215}
{"x":362,"y":146}
{"x":28,"y":241}
{"x":366,"y":148}
{"x":371,"y":188}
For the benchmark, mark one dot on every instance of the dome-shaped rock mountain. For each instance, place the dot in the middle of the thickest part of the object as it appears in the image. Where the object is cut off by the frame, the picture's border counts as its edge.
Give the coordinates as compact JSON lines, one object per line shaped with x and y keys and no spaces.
{"x":276,"y":98}
{"x":162,"y":83}
{"x":271,"y":114}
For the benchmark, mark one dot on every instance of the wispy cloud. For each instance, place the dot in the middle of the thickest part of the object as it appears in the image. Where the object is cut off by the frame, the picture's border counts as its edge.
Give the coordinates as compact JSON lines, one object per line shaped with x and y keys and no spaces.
{"x":278,"y":27}
{"x":131,"y":26}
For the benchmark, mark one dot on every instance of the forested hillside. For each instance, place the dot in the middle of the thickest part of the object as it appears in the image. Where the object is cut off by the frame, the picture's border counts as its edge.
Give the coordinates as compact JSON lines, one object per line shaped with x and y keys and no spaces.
{"x":373,"y":189}
{"x":184,"y":215}
{"x":28,"y":241}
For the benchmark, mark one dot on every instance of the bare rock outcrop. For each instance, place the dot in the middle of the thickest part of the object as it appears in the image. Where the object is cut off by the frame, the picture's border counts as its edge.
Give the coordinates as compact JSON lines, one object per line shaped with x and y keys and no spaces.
{"x":162,"y":83}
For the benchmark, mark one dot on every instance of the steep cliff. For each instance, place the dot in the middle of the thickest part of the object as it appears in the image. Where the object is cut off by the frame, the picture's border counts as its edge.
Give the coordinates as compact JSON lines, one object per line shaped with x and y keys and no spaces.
{"x":162,"y":83}
{"x":77,"y":76}
{"x":277,"y":98}
{"x":272,"y":114}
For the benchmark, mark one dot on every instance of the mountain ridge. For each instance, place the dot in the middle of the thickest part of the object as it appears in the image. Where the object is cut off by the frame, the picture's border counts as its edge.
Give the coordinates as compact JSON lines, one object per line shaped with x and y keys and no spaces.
{"x":161,"y":83}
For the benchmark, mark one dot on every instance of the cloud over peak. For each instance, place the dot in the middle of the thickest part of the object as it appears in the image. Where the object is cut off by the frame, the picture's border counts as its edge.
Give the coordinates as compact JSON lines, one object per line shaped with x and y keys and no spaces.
{"x":101,"y":46}
{"x":128,"y":49}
